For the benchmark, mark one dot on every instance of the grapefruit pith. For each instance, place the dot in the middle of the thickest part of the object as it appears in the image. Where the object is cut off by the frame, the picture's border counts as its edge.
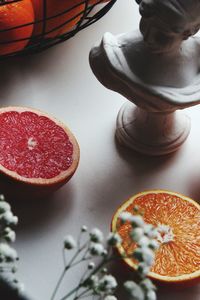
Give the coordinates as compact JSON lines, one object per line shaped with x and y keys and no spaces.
{"x":36,"y":150}
{"x":177,"y":217}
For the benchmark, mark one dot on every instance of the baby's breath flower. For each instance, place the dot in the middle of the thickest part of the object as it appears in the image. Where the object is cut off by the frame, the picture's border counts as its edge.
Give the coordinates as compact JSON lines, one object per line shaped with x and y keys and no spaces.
{"x":7,"y":218}
{"x":92,"y":282}
{"x":138,"y":254}
{"x":148,"y":229}
{"x":137,"y":221}
{"x":105,"y":253}
{"x":2,"y":198}
{"x":130,"y":285}
{"x":153,"y":234}
{"x":144,"y":241}
{"x":84,"y":228}
{"x":96,"y":249}
{"x":147,"y":284}
{"x":134,"y":290}
{"x":104,"y":271}
{"x":20,"y":287}
{"x":4,"y":206}
{"x":107,"y":283}
{"x":110,"y":297}
{"x":145,"y":255}
{"x":10,"y":236}
{"x":151,"y":295}
{"x":91,"y":265}
{"x":96,"y":235}
{"x":6,"y":230}
{"x":148,"y":256}
{"x":125,"y":216}
{"x":69,"y":242}
{"x":143,"y":269}
{"x":14,"y":269}
{"x":153,"y":244}
{"x":7,"y":253}
{"x":136,"y":234}
{"x":113,"y":239}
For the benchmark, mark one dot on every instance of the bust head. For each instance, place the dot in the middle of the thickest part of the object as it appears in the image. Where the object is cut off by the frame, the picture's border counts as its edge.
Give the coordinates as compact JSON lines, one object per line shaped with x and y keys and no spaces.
{"x":165,"y":24}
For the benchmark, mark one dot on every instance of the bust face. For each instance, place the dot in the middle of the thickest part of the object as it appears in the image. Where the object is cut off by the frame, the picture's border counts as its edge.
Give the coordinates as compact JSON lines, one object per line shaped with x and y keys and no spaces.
{"x":165,"y":24}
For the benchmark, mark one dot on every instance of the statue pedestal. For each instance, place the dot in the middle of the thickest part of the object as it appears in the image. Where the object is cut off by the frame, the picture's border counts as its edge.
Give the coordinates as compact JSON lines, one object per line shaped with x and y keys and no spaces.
{"x":152,"y":133}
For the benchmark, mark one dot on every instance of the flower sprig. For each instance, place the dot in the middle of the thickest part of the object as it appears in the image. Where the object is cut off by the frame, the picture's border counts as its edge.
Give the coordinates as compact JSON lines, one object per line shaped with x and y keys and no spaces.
{"x":8,"y":255}
{"x":96,"y":280}
{"x":146,"y":237}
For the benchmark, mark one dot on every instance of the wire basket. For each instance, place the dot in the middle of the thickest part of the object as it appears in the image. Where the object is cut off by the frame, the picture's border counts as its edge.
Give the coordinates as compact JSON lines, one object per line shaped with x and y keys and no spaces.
{"x":47,"y":30}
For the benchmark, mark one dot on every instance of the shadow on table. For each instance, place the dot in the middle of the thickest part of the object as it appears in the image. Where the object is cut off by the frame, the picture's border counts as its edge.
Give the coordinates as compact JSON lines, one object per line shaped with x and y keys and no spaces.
{"x":16,"y":71}
{"x":195,"y":186}
{"x":35,"y":213}
{"x":144,"y":164}
{"x":132,"y":174}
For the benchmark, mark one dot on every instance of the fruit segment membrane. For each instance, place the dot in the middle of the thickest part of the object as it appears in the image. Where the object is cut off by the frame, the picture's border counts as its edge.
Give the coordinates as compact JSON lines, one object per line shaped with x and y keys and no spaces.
{"x":33,"y":145}
{"x":178,"y":223}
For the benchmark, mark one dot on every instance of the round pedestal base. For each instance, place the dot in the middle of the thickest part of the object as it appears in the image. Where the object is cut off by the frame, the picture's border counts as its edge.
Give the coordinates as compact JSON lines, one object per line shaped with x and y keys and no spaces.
{"x":151,"y":133}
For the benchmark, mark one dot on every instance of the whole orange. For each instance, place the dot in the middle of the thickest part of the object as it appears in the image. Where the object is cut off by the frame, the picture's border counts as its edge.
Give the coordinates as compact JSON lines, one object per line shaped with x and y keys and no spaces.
{"x":11,"y":16}
{"x":60,"y":19}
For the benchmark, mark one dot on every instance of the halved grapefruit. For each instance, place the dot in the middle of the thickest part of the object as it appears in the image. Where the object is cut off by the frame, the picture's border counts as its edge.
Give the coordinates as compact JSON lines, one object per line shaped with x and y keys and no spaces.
{"x":36,"y":150}
{"x":177,"y":260}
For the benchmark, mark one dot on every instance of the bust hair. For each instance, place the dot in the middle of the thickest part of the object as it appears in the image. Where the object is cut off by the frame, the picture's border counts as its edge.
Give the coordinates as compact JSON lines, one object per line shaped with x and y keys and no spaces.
{"x":185,"y":8}
{"x":185,"y":12}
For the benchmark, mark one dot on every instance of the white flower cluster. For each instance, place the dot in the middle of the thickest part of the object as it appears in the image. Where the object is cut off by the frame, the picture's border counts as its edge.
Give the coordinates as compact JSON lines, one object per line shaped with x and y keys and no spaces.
{"x":8,"y":255}
{"x":7,"y":235}
{"x":145,"y":235}
{"x":97,"y":245}
{"x":96,"y":281}
{"x":103,"y":286}
{"x":145,"y":290}
{"x":69,"y":242}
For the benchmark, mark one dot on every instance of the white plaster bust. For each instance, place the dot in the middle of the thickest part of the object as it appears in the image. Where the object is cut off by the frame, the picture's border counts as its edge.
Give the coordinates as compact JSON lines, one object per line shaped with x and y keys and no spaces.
{"x":158,"y":67}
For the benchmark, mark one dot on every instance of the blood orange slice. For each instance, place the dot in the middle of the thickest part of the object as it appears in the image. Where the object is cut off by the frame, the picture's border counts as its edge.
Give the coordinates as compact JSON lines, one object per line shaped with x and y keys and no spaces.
{"x":177,"y":260}
{"x":36,"y":150}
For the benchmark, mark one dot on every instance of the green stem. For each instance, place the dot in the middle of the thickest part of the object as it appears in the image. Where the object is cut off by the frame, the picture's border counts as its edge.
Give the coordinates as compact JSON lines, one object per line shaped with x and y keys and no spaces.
{"x":79,"y":261}
{"x":70,"y":293}
{"x":82,"y":294}
{"x":64,"y":258}
{"x":82,"y":284}
{"x":66,"y":269}
{"x":58,"y":283}
{"x":100,"y":266}
{"x":79,"y":285}
{"x":88,"y":295}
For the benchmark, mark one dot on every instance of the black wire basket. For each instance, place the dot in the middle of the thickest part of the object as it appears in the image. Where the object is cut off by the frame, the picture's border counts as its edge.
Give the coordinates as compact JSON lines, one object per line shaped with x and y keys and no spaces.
{"x":49,"y":23}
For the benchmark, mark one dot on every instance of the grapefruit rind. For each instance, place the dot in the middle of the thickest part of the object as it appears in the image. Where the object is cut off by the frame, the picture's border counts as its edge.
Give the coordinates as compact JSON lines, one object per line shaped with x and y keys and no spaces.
{"x":64,"y":176}
{"x":194,"y":277}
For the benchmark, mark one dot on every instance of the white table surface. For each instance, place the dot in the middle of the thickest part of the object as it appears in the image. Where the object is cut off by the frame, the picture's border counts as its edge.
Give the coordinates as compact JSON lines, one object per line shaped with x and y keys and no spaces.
{"x":60,"y":82}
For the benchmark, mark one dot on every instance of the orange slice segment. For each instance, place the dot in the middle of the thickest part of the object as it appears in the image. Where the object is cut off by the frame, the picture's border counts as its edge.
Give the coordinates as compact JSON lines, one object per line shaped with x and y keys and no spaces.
{"x":177,"y":218}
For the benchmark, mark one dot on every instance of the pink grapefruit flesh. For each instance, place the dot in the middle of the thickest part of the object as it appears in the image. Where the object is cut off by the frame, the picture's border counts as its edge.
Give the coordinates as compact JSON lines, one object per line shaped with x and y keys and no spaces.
{"x":35,"y":148}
